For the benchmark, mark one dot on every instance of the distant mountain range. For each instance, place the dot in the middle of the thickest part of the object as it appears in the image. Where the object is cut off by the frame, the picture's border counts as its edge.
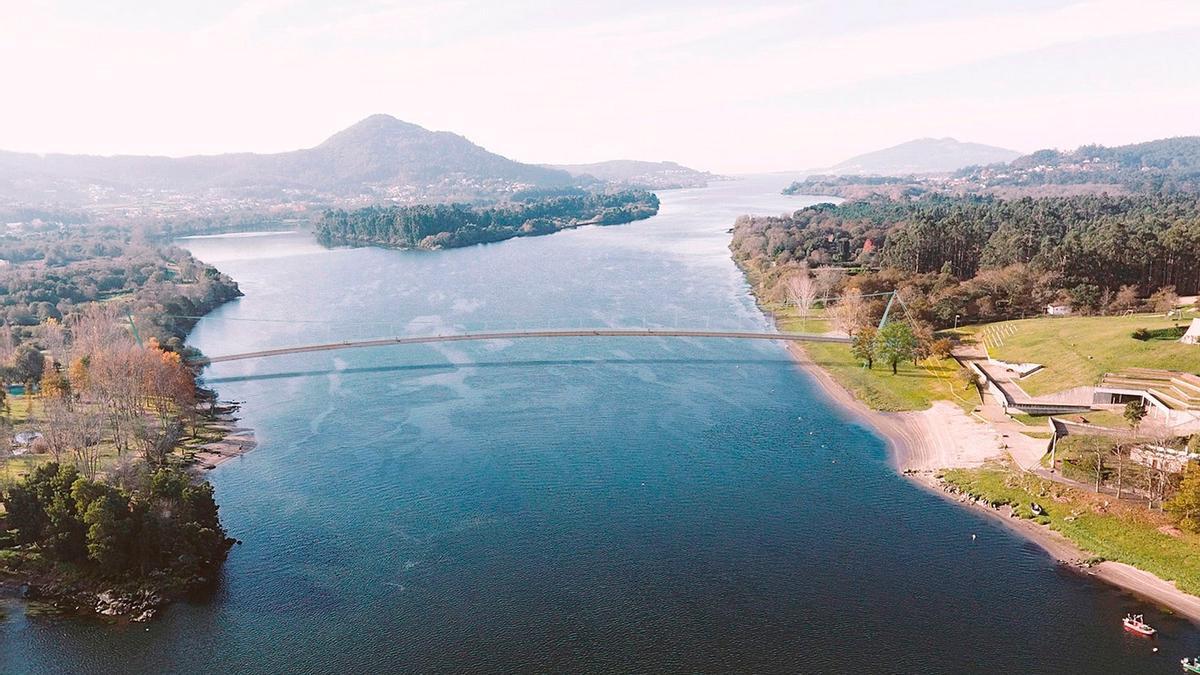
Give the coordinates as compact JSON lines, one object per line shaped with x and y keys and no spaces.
{"x":646,"y":175}
{"x":1168,"y":165}
{"x":380,"y":156}
{"x":922,"y":156}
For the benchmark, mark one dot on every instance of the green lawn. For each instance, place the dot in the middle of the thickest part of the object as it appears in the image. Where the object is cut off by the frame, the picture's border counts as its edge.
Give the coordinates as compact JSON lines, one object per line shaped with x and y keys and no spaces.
{"x":1077,"y":351}
{"x":1124,"y":532}
{"x":911,"y":388}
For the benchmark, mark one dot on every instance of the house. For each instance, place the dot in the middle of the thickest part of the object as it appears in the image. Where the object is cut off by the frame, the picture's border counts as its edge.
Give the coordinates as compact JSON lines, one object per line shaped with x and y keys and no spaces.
{"x":1058,"y":310}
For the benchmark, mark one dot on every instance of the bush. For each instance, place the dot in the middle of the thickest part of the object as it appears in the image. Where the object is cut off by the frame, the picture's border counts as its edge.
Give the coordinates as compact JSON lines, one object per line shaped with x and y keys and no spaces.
{"x":1142,"y":334}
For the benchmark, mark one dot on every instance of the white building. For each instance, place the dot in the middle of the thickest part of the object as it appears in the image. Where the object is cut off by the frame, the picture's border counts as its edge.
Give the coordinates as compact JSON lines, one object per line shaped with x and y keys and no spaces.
{"x":1192,"y":336}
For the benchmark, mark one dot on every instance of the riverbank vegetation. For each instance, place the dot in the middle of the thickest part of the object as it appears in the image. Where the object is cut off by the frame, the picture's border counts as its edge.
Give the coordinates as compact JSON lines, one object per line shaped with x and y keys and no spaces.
{"x":1099,"y":524}
{"x":984,"y":259}
{"x":434,"y":226}
{"x":98,"y":415}
{"x":925,"y":376}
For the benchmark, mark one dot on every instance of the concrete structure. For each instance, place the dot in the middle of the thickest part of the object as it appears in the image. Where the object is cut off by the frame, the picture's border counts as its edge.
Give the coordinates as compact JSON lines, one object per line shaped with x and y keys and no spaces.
{"x":1058,"y":310}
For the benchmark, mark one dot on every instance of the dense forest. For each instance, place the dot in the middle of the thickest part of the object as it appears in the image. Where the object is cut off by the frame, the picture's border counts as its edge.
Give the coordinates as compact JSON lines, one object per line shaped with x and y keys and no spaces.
{"x":987,"y":258}
{"x":51,"y":270}
{"x":433,"y":226}
{"x":860,"y":187}
{"x":139,"y":522}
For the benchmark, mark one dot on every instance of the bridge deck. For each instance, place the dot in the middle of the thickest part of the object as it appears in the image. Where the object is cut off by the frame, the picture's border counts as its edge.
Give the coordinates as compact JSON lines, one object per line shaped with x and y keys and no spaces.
{"x":513,"y":335}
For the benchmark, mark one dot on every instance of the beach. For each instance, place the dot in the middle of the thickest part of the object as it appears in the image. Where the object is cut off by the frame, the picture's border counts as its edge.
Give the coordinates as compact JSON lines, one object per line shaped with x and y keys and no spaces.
{"x":944,"y":437}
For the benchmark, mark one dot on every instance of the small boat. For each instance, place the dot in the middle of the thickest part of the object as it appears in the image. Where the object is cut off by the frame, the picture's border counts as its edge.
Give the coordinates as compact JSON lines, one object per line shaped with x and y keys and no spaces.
{"x":1191,"y":665}
{"x":1134,"y":623}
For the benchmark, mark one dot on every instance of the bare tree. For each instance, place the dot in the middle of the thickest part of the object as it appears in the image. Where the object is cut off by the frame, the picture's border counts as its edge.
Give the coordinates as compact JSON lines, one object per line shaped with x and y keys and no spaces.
{"x":57,"y":432}
{"x":802,"y":290}
{"x":850,"y":313}
{"x":86,"y":432}
{"x":827,"y":279}
{"x":53,"y":337}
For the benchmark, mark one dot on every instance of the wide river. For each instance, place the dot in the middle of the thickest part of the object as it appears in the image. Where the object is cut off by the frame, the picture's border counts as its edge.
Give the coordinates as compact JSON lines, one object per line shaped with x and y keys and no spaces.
{"x":600,"y":504}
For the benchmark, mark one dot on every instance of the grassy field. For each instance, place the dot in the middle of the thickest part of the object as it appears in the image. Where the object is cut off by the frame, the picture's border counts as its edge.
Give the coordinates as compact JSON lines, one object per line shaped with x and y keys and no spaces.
{"x":1124,"y":532}
{"x":1077,"y":351}
{"x":911,"y":388}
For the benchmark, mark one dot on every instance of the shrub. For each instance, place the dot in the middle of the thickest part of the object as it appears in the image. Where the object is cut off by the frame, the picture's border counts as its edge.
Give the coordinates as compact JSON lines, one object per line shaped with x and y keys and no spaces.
{"x":1142,"y":334}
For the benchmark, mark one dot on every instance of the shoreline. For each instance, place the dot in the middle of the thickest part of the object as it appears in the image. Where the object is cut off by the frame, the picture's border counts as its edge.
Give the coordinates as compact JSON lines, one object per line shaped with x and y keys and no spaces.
{"x":235,"y":440}
{"x":909,"y":453}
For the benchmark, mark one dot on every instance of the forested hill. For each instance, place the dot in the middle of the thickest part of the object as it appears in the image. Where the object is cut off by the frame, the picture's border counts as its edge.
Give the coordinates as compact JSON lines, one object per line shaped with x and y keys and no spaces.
{"x":1165,"y":165}
{"x":1083,"y":250}
{"x":433,"y":226}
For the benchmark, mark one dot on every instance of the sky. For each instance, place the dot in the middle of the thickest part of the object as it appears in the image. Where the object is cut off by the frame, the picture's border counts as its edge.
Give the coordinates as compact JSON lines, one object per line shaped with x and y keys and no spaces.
{"x":731,"y":87}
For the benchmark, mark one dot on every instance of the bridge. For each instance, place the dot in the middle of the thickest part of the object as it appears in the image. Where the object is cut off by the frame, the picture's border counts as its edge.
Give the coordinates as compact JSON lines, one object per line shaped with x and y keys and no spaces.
{"x":524,"y":334}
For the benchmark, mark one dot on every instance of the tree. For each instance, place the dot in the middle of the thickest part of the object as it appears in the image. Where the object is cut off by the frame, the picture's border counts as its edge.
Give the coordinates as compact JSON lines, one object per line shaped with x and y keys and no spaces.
{"x":850,"y":313}
{"x":970,"y":378}
{"x":802,"y":291}
{"x":1126,"y":299}
{"x":1121,"y":452}
{"x":28,"y":364}
{"x":1185,"y":505}
{"x":54,"y":384}
{"x":1135,"y":412}
{"x":1164,"y":299}
{"x":941,"y":348}
{"x":827,"y":279}
{"x":895,"y":343}
{"x":863,"y":345}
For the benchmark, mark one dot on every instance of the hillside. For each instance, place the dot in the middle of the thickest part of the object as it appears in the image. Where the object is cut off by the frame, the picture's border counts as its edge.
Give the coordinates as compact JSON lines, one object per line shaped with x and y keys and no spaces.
{"x":1164,"y":165}
{"x":924,"y":155}
{"x":379,"y":156}
{"x":635,"y":173}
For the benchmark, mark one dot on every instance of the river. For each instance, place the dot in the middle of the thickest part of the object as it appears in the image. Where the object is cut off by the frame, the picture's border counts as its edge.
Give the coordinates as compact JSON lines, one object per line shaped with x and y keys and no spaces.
{"x":579,"y":504}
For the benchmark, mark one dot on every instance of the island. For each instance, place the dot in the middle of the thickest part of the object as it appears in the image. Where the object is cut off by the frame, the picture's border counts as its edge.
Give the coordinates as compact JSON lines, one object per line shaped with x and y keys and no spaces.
{"x":436,"y":226}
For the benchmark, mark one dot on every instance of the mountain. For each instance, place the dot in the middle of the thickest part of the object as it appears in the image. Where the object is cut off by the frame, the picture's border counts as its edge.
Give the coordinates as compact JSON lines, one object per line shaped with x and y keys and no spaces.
{"x":635,"y":173}
{"x":379,"y":156}
{"x":924,"y":155}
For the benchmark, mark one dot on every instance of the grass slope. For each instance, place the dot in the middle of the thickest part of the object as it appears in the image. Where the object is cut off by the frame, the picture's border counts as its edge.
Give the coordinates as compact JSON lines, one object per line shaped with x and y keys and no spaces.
{"x":1077,"y":351}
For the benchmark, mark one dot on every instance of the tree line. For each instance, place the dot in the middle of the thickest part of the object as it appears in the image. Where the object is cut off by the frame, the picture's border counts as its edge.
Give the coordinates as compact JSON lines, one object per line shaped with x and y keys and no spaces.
{"x":433,"y":226}
{"x":985,"y":258}
{"x":53,"y":270}
{"x":137,"y":524}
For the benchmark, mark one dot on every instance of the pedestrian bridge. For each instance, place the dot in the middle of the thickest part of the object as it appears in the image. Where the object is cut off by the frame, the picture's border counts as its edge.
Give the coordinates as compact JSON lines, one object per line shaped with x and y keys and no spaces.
{"x":524,"y":334}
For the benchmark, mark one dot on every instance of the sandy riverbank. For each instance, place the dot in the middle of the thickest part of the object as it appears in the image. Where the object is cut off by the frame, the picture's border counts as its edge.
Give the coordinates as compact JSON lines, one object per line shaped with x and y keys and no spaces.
{"x":945,"y":437}
{"x":235,"y":441}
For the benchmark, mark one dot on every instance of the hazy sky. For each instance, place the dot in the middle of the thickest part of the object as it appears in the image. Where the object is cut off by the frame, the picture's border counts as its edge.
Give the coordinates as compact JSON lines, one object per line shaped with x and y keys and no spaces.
{"x":729,"y":86}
